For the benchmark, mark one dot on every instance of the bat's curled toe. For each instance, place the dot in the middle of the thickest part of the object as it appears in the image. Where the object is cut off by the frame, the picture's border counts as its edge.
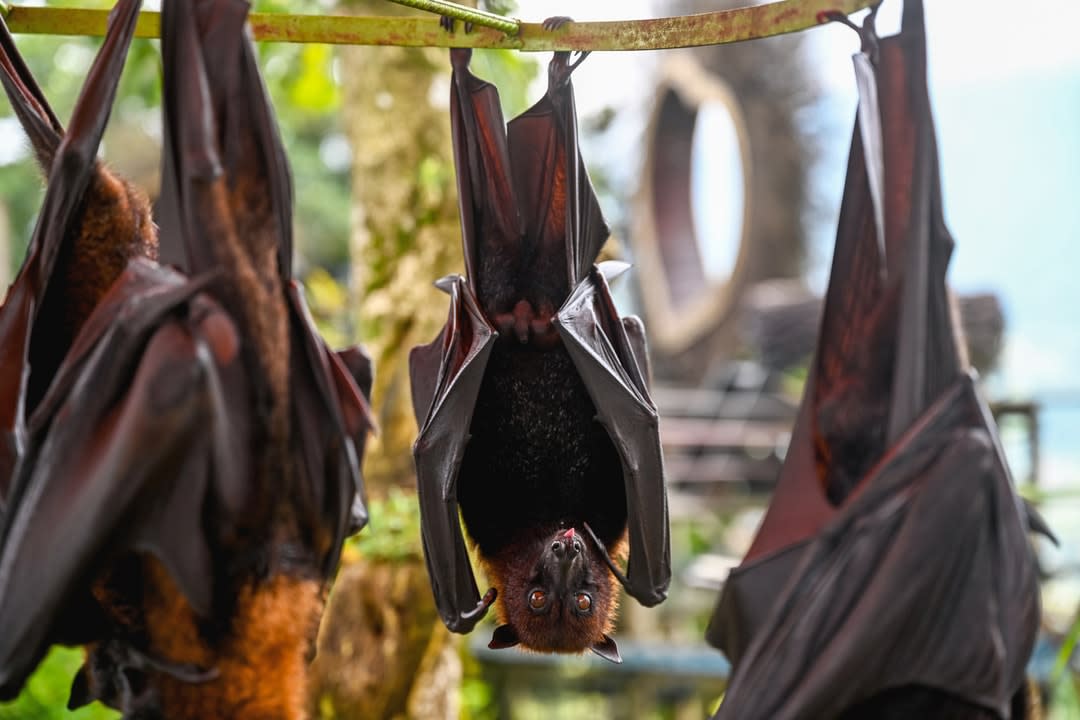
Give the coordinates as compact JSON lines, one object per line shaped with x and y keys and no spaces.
{"x":447,"y":23}
{"x":529,"y":326}
{"x":560,"y":68}
{"x":556,"y":22}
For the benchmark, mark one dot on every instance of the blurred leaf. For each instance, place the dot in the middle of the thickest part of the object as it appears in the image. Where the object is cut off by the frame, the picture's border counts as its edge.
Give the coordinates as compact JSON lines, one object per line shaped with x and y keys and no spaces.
{"x":793,"y":380}
{"x":499,"y":7}
{"x":328,"y":302}
{"x":512,"y":72}
{"x":1068,"y":646}
{"x":393,"y":533}
{"x":315,"y":88}
{"x":45,"y":694}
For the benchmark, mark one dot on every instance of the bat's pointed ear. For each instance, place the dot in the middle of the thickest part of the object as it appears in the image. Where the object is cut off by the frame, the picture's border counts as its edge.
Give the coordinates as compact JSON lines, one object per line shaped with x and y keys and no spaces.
{"x":608,"y":650}
{"x":80,"y":690}
{"x":504,"y":636}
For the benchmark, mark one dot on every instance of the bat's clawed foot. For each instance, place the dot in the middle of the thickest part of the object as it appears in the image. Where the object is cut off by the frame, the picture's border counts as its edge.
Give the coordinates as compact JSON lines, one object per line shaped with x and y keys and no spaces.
{"x":447,"y":23}
{"x":556,"y":22}
{"x":528,"y":326}
{"x":459,"y":57}
{"x":560,"y":68}
{"x":867,"y":33}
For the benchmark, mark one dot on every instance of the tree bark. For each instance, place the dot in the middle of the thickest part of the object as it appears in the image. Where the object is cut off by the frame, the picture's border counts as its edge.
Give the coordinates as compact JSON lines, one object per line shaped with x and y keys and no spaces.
{"x":383,"y":651}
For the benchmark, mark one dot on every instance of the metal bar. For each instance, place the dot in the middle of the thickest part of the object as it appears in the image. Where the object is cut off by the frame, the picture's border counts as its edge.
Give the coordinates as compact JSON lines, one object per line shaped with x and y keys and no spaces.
{"x":714,"y":28}
{"x":507,"y":25}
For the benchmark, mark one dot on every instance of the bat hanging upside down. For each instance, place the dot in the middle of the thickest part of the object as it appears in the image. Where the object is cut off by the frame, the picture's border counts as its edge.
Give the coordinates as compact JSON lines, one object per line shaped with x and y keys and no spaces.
{"x":180,"y":457}
{"x":533,"y":403}
{"x":892,"y":576}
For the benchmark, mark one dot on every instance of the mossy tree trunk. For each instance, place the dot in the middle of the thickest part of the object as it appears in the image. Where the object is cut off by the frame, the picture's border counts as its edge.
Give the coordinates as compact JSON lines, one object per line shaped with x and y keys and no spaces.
{"x":383,"y":652}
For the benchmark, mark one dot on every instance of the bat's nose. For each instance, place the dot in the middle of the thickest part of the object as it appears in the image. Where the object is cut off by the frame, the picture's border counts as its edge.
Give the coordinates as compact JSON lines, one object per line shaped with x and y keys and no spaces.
{"x":567,"y":547}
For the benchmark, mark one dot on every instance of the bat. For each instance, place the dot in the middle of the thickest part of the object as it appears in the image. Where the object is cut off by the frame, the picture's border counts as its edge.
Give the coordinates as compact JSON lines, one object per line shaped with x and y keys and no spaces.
{"x":892,"y":576}
{"x":198,"y":444}
{"x":92,"y":223}
{"x":533,"y":403}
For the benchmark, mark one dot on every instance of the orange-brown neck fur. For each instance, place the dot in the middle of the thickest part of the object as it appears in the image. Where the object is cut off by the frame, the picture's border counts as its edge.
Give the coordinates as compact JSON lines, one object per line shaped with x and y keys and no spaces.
{"x":260,"y":658}
{"x":116,"y":226}
{"x":511,"y":572}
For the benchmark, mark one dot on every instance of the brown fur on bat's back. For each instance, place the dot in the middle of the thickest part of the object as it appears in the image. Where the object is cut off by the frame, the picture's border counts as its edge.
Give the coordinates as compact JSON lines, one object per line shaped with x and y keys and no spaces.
{"x":116,"y":226}
{"x":260,"y":660}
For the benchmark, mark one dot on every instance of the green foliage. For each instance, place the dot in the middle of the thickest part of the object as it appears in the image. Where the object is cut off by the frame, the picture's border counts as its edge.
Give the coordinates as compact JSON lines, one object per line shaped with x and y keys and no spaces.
{"x":793,"y":380}
{"x":478,"y":696}
{"x":328,"y":302}
{"x":303,"y":85}
{"x":512,"y":72}
{"x":393,"y":534}
{"x":46,"y":692}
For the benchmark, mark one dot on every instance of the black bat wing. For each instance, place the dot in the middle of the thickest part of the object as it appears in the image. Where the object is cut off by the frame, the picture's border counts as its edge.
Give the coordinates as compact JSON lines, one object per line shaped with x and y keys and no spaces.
{"x":135,"y":440}
{"x":71,"y":167}
{"x":33,"y":110}
{"x":486,"y":203}
{"x":564,"y":218}
{"x":905,"y":587}
{"x":210,"y":63}
{"x":331,"y":421}
{"x":445,"y":375}
{"x":927,"y":555}
{"x":455,"y":361}
{"x":605,"y":352}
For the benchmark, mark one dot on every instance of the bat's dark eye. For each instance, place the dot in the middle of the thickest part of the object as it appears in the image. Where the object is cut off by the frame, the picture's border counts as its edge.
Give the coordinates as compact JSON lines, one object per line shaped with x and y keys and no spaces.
{"x":578,"y":547}
{"x":537,"y":599}
{"x":584,"y":602}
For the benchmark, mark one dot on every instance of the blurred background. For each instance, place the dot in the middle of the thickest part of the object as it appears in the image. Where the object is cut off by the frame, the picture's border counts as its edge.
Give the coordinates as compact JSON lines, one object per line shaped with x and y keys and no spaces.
{"x":720,"y":171}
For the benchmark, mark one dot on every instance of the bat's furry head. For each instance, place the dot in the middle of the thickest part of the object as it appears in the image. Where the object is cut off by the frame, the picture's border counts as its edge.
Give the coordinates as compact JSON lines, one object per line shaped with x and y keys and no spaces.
{"x":555,"y":594}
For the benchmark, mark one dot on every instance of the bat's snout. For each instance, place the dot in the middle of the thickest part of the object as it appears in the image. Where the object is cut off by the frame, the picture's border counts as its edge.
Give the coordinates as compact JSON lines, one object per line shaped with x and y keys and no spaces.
{"x":567,"y":546}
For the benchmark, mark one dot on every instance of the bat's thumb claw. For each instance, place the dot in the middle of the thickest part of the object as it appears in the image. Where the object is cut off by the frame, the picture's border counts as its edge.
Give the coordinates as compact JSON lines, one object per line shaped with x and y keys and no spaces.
{"x":612,"y":269}
{"x":446,"y":283}
{"x":1037,"y":524}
